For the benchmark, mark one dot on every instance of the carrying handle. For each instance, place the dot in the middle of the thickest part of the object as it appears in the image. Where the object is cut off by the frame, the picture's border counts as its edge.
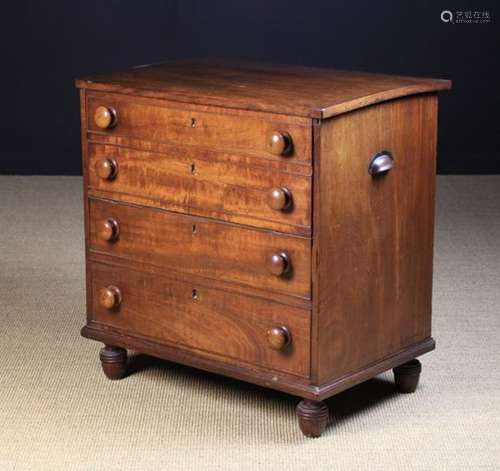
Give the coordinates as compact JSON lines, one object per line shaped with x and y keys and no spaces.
{"x":381,"y":163}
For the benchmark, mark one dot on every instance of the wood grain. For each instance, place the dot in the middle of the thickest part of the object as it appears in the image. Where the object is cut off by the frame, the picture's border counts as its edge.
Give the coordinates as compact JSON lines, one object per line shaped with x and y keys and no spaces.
{"x":189,"y":182}
{"x":273,"y":88}
{"x":156,"y":120}
{"x":118,"y":263}
{"x":234,"y":326}
{"x":204,"y":247}
{"x":247,"y":159}
{"x":374,"y":235}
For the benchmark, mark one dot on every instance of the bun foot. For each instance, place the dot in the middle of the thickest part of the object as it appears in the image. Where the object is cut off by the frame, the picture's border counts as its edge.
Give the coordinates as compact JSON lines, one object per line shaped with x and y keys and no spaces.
{"x":113,"y":361}
{"x":407,"y":375}
{"x":313,"y":417}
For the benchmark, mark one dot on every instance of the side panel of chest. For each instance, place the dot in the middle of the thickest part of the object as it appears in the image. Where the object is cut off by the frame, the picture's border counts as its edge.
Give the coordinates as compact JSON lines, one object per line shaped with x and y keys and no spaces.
{"x":373,"y":235}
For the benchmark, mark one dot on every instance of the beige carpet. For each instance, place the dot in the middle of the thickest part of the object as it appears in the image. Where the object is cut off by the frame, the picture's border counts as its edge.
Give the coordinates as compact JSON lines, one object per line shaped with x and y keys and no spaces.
{"x":58,"y":412}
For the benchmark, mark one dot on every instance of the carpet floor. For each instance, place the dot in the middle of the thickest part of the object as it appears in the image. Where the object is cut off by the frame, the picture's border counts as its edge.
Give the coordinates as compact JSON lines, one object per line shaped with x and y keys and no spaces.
{"x":58,"y":412}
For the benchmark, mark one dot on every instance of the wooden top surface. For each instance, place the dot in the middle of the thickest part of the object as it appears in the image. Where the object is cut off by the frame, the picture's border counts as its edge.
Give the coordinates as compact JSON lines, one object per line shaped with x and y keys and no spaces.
{"x":284,"y":89}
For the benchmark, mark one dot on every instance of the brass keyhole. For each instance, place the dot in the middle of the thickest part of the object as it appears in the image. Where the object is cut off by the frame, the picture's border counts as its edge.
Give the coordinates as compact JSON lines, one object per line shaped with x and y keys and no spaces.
{"x":194,"y":294}
{"x":194,"y":229}
{"x":193,"y":122}
{"x":193,"y":169}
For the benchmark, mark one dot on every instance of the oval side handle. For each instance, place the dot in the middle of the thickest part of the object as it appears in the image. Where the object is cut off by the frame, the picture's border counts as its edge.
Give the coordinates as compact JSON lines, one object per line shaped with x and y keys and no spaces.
{"x":381,"y":163}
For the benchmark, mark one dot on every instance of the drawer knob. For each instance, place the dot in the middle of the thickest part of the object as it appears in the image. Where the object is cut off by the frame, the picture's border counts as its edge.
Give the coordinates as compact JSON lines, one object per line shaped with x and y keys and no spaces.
{"x":110,"y":297}
{"x":280,"y":143}
{"x":105,"y":117}
{"x":109,"y":230}
{"x":106,"y":169}
{"x":278,"y":263}
{"x":278,"y":337}
{"x":280,"y":198}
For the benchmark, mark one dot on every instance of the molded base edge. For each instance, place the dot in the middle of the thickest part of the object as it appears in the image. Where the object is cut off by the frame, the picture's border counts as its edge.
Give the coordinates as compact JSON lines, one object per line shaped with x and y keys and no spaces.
{"x":270,"y":379}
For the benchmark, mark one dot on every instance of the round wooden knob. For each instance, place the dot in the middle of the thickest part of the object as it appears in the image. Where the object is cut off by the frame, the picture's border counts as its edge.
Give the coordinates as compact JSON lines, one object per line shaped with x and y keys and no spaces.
{"x":280,"y":143}
{"x":105,"y":117}
{"x":278,"y":263}
{"x":106,"y":169}
{"x":109,"y":230}
{"x":110,"y":297}
{"x":278,"y":337}
{"x":280,"y":198}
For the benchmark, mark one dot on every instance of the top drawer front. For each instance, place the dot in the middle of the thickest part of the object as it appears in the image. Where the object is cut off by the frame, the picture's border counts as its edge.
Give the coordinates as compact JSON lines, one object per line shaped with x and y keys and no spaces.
{"x":247,"y":132}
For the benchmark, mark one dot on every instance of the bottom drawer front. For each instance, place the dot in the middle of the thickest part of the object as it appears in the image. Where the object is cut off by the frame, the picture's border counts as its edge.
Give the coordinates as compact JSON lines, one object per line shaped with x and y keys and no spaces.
{"x":235,"y":326}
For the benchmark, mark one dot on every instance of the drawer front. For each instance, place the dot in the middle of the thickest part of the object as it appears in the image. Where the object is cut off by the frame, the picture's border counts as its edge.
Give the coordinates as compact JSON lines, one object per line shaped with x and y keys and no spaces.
{"x":228,"y":252}
{"x":186,"y":180}
{"x":262,"y":134}
{"x":237,"y":327}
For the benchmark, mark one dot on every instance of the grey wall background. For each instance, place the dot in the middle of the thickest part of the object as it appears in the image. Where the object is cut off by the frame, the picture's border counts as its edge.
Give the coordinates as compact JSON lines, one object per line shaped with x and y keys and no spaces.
{"x":46,"y":45}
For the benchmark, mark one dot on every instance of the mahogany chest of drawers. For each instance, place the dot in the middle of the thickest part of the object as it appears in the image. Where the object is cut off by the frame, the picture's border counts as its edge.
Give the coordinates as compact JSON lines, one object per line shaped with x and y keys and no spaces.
{"x":269,"y":223}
